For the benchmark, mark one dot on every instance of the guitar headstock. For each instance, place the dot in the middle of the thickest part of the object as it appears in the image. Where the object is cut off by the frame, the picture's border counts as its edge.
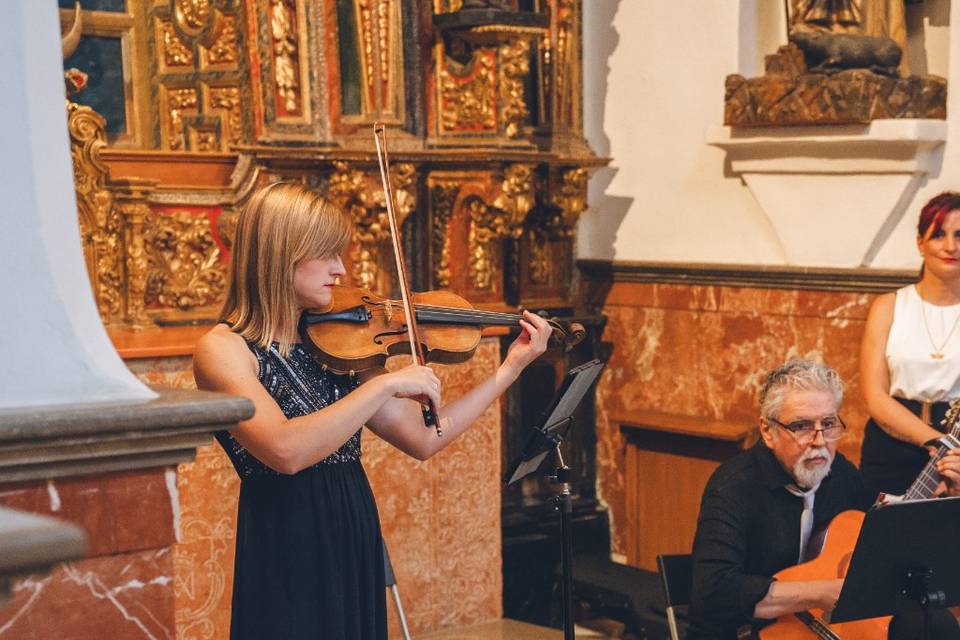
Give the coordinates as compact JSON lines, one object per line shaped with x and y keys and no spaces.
{"x":952,"y":420}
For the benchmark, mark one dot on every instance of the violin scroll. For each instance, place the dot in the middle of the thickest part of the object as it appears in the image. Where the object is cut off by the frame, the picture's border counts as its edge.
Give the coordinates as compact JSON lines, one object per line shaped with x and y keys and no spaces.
{"x":565,"y":338}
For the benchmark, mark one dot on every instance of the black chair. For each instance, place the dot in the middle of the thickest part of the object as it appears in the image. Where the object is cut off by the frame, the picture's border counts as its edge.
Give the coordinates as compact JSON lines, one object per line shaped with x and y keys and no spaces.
{"x":676,"y":576}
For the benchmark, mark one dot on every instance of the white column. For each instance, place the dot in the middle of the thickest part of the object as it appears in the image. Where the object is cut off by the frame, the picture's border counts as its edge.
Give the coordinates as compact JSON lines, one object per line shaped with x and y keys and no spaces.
{"x":53,"y":347}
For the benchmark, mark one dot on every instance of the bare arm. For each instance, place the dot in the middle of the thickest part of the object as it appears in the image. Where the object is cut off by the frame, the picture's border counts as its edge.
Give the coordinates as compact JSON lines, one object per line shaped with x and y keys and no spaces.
{"x":791,"y":597}
{"x":399,"y":421}
{"x":892,"y":416}
{"x":223,"y":362}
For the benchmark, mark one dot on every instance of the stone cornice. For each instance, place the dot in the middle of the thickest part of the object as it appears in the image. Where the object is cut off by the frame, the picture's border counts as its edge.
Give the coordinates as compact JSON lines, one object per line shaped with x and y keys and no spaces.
{"x":737,"y":275}
{"x":66,"y":440}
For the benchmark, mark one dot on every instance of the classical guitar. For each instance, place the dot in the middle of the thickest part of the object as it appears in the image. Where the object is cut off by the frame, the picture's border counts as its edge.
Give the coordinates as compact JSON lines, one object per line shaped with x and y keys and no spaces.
{"x":834,"y":558}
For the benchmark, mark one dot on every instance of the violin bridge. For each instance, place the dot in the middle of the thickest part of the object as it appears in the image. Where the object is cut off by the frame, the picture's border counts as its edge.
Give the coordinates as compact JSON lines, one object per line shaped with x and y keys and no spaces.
{"x":388,"y":310}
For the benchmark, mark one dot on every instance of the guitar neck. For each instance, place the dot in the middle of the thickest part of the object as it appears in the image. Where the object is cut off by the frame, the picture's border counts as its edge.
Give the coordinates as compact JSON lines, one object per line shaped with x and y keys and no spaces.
{"x":929,"y":479}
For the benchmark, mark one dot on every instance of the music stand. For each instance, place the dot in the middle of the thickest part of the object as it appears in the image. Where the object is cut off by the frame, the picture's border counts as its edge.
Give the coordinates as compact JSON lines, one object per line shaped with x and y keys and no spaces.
{"x":903,"y":559}
{"x":545,"y":437}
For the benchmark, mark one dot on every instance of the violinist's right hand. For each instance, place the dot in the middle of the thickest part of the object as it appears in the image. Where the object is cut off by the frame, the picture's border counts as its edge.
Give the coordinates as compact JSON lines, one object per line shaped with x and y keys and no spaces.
{"x":415,"y":382}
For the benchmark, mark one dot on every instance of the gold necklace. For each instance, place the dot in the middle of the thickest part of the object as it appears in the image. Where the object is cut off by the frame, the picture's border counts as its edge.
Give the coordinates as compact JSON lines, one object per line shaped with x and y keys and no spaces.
{"x":937,"y":353}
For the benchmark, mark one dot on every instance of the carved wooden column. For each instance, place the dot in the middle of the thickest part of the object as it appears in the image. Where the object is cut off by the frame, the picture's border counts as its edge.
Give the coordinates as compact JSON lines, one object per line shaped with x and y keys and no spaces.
{"x":130,"y":198}
{"x":100,"y":226}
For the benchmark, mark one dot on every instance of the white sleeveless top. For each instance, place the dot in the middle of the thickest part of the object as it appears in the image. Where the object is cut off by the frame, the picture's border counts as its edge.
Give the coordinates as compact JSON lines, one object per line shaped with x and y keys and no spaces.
{"x":914,"y":373}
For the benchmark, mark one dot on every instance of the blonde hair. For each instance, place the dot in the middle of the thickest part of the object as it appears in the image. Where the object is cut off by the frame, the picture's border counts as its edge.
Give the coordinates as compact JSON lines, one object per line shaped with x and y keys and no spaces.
{"x":279,"y":226}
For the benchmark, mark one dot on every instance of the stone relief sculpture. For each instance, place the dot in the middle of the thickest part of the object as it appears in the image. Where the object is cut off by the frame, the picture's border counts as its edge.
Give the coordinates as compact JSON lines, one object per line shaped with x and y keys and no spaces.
{"x":844,"y":63}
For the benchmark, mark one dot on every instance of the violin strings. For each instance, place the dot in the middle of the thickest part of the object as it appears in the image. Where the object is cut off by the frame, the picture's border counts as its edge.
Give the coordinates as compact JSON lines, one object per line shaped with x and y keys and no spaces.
{"x":453,"y":314}
{"x":490,"y":317}
{"x":440,"y":315}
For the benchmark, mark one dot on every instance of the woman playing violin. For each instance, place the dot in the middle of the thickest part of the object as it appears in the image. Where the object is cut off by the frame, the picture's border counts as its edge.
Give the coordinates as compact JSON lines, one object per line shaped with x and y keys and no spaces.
{"x":309,"y":558}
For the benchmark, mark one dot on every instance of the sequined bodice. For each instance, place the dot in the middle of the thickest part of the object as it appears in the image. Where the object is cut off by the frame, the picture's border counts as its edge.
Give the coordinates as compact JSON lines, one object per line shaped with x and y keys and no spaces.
{"x":300,"y":386}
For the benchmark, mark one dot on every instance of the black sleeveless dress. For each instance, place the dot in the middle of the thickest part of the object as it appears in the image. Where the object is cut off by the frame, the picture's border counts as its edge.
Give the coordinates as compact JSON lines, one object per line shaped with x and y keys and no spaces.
{"x":309,"y":553}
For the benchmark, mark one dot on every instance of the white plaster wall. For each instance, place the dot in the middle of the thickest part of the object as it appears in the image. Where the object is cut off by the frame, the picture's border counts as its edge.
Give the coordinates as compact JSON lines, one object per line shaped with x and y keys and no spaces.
{"x":654,"y":83}
{"x":54,"y":347}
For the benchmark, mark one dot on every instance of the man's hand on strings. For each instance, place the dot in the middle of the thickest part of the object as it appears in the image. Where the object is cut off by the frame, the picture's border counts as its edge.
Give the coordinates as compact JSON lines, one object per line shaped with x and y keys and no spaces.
{"x":949,"y":468}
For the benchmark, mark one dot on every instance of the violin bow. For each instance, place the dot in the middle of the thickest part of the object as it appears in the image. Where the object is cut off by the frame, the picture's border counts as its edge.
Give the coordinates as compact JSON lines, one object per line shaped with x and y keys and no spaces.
{"x":430,"y":418}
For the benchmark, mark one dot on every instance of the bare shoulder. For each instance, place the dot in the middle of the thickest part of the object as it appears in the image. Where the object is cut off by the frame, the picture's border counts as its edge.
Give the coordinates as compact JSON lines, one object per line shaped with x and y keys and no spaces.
{"x":882,"y":308}
{"x":221,"y":355}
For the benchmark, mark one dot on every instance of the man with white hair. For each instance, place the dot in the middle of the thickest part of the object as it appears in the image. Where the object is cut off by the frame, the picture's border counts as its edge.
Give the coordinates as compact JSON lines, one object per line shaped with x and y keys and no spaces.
{"x":762,"y":510}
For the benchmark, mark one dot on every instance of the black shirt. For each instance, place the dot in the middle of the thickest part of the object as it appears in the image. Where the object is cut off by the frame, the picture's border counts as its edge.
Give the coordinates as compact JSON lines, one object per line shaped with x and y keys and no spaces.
{"x":749,"y":529}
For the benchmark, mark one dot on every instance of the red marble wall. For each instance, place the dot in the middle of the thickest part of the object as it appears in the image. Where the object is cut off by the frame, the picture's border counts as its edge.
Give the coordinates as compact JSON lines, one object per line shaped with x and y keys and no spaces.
{"x":122,"y":590}
{"x":441,"y":518}
{"x":704,"y":351}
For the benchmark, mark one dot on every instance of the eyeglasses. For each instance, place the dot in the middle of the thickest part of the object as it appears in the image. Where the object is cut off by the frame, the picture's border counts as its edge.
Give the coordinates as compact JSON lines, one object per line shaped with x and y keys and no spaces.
{"x":831,"y":428}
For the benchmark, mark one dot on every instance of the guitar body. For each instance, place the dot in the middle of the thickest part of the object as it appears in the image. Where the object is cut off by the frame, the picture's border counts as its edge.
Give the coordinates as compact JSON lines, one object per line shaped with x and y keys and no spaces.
{"x":833,"y":562}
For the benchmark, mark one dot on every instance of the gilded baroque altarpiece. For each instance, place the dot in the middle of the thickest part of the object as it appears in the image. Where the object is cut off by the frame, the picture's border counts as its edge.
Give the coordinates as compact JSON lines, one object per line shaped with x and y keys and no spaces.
{"x":219,"y":96}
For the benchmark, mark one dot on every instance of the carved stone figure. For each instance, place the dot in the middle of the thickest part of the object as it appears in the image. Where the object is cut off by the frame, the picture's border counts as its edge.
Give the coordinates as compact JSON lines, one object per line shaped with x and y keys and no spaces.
{"x":830,"y":52}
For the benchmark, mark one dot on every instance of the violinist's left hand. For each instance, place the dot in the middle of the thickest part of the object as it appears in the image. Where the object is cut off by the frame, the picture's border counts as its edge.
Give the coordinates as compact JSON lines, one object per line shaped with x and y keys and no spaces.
{"x":949,"y":468}
{"x":530,"y":344}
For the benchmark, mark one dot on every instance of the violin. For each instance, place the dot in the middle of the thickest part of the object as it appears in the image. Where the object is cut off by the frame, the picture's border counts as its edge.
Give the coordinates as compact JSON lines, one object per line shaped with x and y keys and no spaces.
{"x":360,"y":330}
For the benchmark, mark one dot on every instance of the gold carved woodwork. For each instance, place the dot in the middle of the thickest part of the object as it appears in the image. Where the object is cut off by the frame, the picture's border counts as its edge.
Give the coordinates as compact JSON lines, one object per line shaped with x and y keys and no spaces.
{"x":179,"y":102}
{"x":485,"y":223}
{"x":490,"y":224}
{"x":403,"y":175}
{"x":379,"y":25}
{"x":101,"y":228}
{"x":567,"y":90}
{"x":197,"y":20}
{"x":215,"y":68}
{"x":516,"y":199}
{"x":488,"y":93}
{"x":204,"y":138}
{"x":227,"y":226}
{"x":541,"y":263}
{"x":223,"y":51}
{"x":130,"y":197}
{"x":468,"y":101}
{"x":368,"y":49}
{"x":361,"y":196}
{"x":173,"y":52}
{"x":514,"y":67}
{"x":571,"y":200}
{"x":443,"y":198}
{"x":283,"y":30}
{"x":348,"y":188}
{"x":227,"y":101}
{"x":184,"y":269}
{"x":200,"y":84}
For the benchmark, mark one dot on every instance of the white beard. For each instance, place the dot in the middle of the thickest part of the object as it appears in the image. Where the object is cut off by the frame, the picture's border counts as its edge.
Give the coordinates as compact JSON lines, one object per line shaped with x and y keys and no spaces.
{"x":811,"y":477}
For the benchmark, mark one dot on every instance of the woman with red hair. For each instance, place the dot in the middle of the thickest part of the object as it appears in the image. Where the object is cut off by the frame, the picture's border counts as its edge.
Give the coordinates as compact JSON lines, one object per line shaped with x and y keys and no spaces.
{"x":910,"y":356}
